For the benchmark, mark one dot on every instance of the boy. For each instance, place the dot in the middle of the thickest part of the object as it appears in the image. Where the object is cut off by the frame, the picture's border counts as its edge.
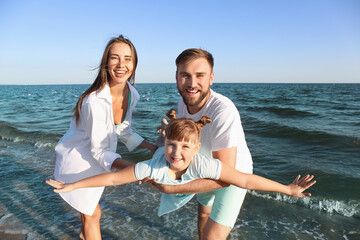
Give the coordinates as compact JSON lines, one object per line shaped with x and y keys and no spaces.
{"x":178,"y":162}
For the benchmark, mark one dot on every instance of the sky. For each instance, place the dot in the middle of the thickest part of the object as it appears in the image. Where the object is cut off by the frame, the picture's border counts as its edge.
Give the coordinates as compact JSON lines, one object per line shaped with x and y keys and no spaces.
{"x":258,"y":41}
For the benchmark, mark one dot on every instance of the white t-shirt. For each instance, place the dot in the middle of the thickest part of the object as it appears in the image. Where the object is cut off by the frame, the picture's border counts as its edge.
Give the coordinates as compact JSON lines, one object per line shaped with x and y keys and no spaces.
{"x":224,"y":131}
{"x":157,"y":168}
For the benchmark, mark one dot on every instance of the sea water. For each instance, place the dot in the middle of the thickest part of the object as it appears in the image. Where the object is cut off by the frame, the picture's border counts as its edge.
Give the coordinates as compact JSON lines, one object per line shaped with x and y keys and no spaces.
{"x":290,"y":129}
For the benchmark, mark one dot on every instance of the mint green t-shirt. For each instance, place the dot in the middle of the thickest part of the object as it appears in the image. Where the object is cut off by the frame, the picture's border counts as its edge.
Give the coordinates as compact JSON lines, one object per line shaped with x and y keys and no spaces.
{"x":157,"y":168}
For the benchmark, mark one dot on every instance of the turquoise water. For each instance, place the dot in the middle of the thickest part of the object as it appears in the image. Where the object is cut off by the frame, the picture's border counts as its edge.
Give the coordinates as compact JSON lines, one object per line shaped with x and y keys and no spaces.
{"x":290,"y":129}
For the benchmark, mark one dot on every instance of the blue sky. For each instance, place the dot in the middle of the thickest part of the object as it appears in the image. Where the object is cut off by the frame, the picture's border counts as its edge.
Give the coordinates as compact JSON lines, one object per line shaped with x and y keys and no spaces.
{"x":60,"y":42}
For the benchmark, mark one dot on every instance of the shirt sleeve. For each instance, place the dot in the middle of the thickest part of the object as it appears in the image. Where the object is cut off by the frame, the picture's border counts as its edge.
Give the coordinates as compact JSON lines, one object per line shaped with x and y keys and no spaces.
{"x":205,"y":167}
{"x":128,"y":136}
{"x":143,"y":169}
{"x":94,"y":119}
{"x":150,"y":168}
{"x":228,"y":128}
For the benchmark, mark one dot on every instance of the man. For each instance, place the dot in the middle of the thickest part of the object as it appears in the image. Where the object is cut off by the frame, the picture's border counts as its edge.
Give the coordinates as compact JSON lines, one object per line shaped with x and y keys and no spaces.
{"x":222,"y":139}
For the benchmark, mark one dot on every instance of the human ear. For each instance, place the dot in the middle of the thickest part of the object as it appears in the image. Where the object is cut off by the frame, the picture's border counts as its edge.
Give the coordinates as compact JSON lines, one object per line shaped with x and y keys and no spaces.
{"x":197,"y":147}
{"x":211,"y":78}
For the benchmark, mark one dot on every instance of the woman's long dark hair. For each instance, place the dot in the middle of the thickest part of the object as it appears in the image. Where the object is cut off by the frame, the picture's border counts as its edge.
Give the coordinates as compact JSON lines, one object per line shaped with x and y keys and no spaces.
{"x":103,"y":75}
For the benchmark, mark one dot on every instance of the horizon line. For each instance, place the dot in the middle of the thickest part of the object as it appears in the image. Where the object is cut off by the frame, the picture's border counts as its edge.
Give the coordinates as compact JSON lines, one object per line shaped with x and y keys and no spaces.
{"x":47,"y":84}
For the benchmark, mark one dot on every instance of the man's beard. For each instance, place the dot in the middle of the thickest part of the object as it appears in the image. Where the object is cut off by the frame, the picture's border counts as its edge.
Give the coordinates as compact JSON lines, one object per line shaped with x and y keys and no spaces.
{"x":191,"y":102}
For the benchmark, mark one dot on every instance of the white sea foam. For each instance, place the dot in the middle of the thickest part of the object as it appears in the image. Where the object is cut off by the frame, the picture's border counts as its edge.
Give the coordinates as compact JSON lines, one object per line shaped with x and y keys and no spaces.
{"x":18,"y":139}
{"x":22,"y":139}
{"x":40,"y":144}
{"x":348,"y":209}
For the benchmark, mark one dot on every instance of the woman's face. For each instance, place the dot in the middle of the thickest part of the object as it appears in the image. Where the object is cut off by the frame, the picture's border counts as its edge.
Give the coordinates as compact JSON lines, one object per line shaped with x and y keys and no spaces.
{"x":120,"y":63}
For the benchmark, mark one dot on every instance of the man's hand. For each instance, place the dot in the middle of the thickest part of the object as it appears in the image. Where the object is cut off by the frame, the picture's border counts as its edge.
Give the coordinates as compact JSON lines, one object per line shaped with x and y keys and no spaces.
{"x":161,"y":187}
{"x":195,"y":186}
{"x":162,"y":127}
{"x":160,"y":141}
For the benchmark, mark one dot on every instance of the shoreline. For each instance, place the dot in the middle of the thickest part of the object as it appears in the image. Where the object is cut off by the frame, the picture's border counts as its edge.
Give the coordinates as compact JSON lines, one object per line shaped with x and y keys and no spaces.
{"x":10,"y":230}
{"x":11,"y":236}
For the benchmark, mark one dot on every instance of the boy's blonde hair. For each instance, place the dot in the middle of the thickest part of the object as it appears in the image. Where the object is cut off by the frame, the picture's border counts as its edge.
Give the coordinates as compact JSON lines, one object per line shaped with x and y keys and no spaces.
{"x":184,"y":129}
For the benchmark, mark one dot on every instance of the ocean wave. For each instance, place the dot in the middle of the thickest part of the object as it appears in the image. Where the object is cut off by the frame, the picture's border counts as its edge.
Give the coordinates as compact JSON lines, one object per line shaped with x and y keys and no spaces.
{"x":351,"y":208}
{"x":40,"y":144}
{"x":38,"y":139}
{"x":277,"y":130}
{"x":284,"y":112}
{"x":277,"y":99}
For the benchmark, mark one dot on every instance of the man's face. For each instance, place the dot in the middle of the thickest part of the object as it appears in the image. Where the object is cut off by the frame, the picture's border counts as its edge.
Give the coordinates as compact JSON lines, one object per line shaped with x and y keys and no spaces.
{"x":193,"y":82}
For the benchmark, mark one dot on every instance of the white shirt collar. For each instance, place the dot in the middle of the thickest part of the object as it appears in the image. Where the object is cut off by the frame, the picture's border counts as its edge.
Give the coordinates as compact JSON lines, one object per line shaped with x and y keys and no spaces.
{"x":105,"y":92}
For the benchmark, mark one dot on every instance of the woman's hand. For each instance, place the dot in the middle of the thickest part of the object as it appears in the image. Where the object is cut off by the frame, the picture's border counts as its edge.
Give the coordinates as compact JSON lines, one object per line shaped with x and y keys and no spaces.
{"x":60,"y":186}
{"x":149,"y":146}
{"x":153,"y":149}
{"x":298,"y":186}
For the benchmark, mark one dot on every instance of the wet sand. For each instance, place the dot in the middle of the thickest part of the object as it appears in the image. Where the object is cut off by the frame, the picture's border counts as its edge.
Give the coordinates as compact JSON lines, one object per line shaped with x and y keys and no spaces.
{"x":11,"y":236}
{"x":9,"y":230}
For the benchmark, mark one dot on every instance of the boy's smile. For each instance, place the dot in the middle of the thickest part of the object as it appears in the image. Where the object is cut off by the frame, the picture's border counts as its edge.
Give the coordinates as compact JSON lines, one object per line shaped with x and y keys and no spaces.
{"x":179,"y":154}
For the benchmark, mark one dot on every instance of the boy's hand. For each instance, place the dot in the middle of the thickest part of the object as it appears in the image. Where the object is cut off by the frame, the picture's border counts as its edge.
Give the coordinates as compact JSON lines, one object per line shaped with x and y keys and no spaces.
{"x":60,"y":186}
{"x":298,"y":186}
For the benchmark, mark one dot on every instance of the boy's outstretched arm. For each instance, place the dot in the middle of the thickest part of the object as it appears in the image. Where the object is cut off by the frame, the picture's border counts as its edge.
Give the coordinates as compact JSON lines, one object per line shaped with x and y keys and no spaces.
{"x":124,"y":176}
{"x":255,"y":182}
{"x":226,"y":156}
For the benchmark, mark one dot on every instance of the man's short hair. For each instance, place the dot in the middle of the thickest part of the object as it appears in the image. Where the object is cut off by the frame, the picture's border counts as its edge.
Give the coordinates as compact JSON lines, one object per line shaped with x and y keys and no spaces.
{"x":191,"y":54}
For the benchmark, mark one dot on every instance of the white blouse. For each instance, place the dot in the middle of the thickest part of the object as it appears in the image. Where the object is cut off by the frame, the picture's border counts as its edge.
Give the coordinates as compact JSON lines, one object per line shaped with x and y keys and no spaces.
{"x":90,"y":148}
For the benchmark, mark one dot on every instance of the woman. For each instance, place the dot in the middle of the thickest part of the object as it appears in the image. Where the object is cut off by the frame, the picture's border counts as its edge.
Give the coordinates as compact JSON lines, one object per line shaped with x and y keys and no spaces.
{"x":102,"y":114}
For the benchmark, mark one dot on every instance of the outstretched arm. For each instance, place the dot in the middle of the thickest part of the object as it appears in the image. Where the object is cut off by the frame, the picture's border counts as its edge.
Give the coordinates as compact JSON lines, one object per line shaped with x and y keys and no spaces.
{"x":120,"y":164}
{"x":199,"y":185}
{"x":255,"y":182}
{"x":195,"y":186}
{"x":226,"y":156}
{"x":124,"y":176}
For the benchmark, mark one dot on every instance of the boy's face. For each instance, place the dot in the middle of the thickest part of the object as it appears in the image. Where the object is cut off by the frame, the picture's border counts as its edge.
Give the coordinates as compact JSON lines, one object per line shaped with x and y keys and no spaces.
{"x":180,"y":153}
